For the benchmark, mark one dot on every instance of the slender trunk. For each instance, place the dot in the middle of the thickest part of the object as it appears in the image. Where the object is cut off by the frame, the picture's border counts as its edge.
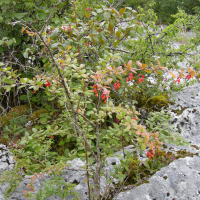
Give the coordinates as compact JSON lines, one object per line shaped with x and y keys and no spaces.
{"x":96,"y":179}
{"x":97,"y":174}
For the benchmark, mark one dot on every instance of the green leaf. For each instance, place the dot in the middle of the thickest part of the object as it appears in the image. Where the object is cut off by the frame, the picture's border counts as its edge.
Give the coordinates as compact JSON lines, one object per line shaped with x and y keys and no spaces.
{"x":28,"y":19}
{"x":66,"y":152}
{"x":22,"y":142}
{"x":48,"y":164}
{"x":62,"y":142}
{"x":140,"y":140}
{"x":6,"y":1}
{"x":99,"y":10}
{"x":128,"y":119}
{"x":25,"y":54}
{"x":34,"y":130}
{"x":23,"y":97}
{"x":9,"y":81}
{"x":127,"y":45}
{"x":1,"y":42}
{"x":18,"y":15}
{"x":10,"y":42}
{"x":1,"y":19}
{"x":43,"y":120}
{"x":143,"y":147}
{"x":107,"y":15}
{"x":123,"y":113}
{"x":24,"y":80}
{"x":8,"y":88}
{"x":119,"y":117}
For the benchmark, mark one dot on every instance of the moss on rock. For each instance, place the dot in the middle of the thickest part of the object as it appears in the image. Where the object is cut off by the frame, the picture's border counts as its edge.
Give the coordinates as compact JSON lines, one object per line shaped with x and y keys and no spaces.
{"x":37,"y":113}
{"x":19,"y":110}
{"x":156,"y":103}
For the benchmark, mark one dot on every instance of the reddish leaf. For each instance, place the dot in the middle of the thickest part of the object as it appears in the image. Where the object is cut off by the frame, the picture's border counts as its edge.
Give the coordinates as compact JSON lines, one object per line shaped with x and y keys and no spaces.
{"x":130,"y":62}
{"x":139,"y":64}
{"x":108,"y":81}
{"x":109,"y":68}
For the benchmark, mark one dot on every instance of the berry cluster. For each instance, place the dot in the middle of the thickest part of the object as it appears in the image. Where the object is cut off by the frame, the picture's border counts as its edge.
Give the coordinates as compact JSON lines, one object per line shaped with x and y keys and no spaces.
{"x":69,"y":28}
{"x":188,"y":77}
{"x":141,"y":78}
{"x":149,"y":154}
{"x":48,"y":84}
{"x":95,"y":90}
{"x":104,"y":97}
{"x":130,"y":78}
{"x":178,"y":80}
{"x":117,"y":85}
{"x":88,"y":9}
{"x":62,"y":65}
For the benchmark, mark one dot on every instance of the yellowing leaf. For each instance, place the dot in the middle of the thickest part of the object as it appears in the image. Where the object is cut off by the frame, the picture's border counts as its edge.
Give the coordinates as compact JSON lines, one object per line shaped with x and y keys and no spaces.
{"x":192,"y":73}
{"x":172,"y":75}
{"x":181,"y":75}
{"x":148,"y":71}
{"x":87,"y":14}
{"x":118,"y":34}
{"x":101,"y":41}
{"x":121,"y":11}
{"x":90,"y":22}
{"x":108,"y":81}
{"x":110,"y":28}
{"x":48,"y":40}
{"x":189,"y":70}
{"x":85,"y":181}
{"x":68,"y":47}
{"x":144,"y":66}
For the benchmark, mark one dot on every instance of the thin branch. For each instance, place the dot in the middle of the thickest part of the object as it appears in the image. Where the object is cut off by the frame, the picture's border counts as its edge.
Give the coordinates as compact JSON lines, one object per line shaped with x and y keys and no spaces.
{"x":87,"y":120}
{"x":48,"y":18}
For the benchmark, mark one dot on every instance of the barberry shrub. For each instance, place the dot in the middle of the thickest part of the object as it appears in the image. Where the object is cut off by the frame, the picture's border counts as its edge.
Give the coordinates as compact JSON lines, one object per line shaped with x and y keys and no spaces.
{"x":89,"y":67}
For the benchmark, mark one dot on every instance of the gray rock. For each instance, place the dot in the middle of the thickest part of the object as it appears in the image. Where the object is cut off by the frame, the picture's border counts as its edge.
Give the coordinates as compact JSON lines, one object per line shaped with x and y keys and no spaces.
{"x":3,"y":158}
{"x":3,"y":166}
{"x":179,"y":180}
